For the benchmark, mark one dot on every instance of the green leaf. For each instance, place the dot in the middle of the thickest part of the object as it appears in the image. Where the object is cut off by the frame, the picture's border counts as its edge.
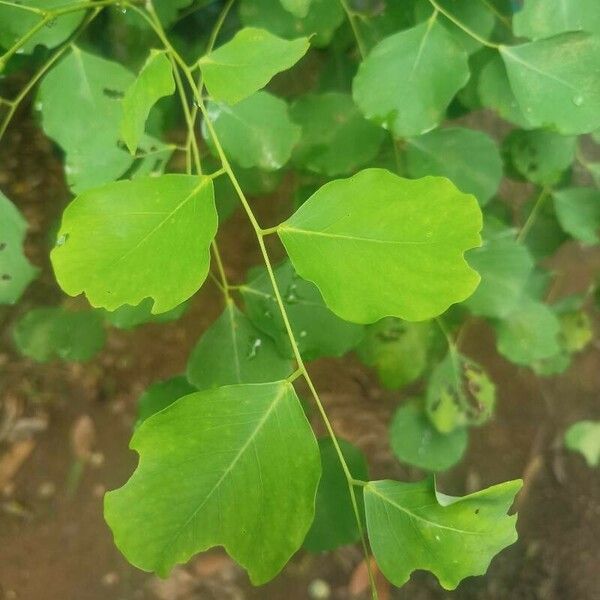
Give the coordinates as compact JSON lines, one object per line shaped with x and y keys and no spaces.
{"x":16,"y":273}
{"x":578,"y":212}
{"x":416,"y":442}
{"x":373,"y":251}
{"x":555,"y":81}
{"x":505,"y":266}
{"x":236,"y":466}
{"x":47,"y":333}
{"x":256,"y":132}
{"x":541,"y":156}
{"x":155,"y":81}
{"x":168,"y":10}
{"x":231,"y":351}
{"x":317,"y":330}
{"x":459,"y":393}
{"x":529,"y":333}
{"x":412,"y":526}
{"x":473,"y":13}
{"x":152,"y":158}
{"x":131,"y":240}
{"x":397,"y":350}
{"x":336,"y":138}
{"x":129,"y":317}
{"x":162,"y":394}
{"x":495,"y":92}
{"x":545,"y":18}
{"x":16,"y":23}
{"x":247,"y":63}
{"x":584,"y":437}
{"x":576,"y":330}
{"x":469,"y":158}
{"x":89,"y":131}
{"x":320,"y":23}
{"x":422,"y":68}
{"x":299,"y":8}
{"x":335,"y":522}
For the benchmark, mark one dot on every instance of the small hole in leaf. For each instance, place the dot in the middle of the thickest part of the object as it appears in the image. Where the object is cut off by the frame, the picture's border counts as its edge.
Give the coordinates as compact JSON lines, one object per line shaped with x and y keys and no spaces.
{"x":6,"y":277}
{"x":476,"y":511}
{"x":113,"y":94}
{"x":62,"y":240}
{"x":2,"y":245}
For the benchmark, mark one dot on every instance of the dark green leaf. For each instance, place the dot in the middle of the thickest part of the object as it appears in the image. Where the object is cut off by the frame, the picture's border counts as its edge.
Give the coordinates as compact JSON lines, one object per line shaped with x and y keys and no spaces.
{"x":162,"y":394}
{"x":129,"y":317}
{"x":578,"y":212}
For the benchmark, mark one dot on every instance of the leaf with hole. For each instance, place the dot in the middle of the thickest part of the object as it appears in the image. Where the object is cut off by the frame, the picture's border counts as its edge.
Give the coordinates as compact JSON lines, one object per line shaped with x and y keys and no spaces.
{"x":256,"y":132}
{"x":48,"y":333}
{"x":237,"y":466}
{"x":408,"y":80}
{"x":16,"y":272}
{"x":366,"y":242}
{"x":247,"y":63}
{"x":232,"y":351}
{"x":470,"y":159}
{"x":89,"y":131}
{"x":130,"y":317}
{"x":131,"y":240}
{"x":413,"y":526}
{"x":397,"y":350}
{"x":415,"y":441}
{"x":317,"y":330}
{"x":335,"y":522}
{"x":154,"y":81}
{"x":556,"y":81}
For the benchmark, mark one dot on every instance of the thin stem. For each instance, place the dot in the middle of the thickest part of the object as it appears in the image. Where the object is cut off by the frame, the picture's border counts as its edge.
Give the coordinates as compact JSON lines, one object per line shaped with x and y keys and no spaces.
{"x":269,"y":230}
{"x":533,"y":215}
{"x":462,"y":26}
{"x":16,"y":102}
{"x":296,"y":351}
{"x":32,"y":9}
{"x":350,"y":14}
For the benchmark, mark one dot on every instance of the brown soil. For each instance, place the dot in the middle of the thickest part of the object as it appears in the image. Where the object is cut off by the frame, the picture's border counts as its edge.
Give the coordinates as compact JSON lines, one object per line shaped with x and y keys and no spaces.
{"x":54,"y":544}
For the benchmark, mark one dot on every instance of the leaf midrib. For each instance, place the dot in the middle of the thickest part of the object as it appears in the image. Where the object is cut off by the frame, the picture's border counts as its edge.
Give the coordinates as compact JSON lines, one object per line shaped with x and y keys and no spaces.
{"x":341,"y":236}
{"x":280,"y":394}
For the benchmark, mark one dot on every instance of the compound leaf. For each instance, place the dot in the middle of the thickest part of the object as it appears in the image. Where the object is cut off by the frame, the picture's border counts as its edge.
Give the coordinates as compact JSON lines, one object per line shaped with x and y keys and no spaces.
{"x":232,"y":350}
{"x":16,"y":22}
{"x":237,"y":466}
{"x":336,"y":138}
{"x":412,"y":526}
{"x":256,"y":132}
{"x":89,"y":132}
{"x":397,"y":350}
{"x":469,"y":158}
{"x":248,"y":62}
{"x":335,"y":522}
{"x":545,"y":18}
{"x":155,"y":81}
{"x":47,"y":333}
{"x":578,"y":212}
{"x":408,"y":80}
{"x":417,"y":442}
{"x":16,"y":273}
{"x":584,"y":437}
{"x":378,"y":245}
{"x":541,"y":156}
{"x":505,"y":266}
{"x":319,"y":23}
{"x":317,"y":330}
{"x":556,"y":81}
{"x":131,"y":240}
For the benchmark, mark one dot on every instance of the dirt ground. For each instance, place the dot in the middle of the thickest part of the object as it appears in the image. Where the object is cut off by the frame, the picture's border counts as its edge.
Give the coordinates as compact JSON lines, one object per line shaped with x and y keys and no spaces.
{"x":64,"y":431}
